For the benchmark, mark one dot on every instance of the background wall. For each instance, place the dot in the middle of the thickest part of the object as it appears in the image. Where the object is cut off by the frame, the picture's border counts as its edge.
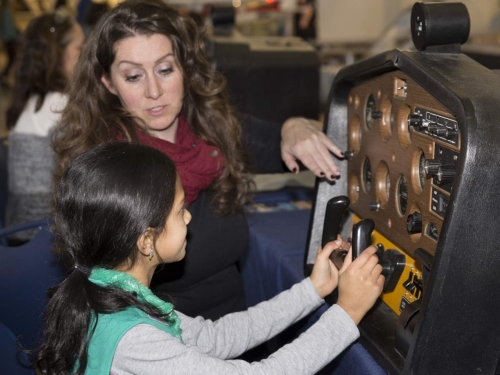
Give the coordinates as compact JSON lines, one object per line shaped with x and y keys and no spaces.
{"x":355,"y":21}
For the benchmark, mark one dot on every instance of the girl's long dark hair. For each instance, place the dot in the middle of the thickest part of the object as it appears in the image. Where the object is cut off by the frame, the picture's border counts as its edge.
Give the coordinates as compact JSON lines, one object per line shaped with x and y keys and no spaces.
{"x":39,"y":68}
{"x":107,"y":198}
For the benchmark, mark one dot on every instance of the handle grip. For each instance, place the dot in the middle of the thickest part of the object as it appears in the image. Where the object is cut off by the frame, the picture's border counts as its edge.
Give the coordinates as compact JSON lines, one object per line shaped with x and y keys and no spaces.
{"x":335,"y":210}
{"x":361,"y":236}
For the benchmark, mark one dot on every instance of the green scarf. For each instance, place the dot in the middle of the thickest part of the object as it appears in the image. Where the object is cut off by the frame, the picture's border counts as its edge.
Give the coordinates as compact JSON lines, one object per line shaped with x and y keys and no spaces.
{"x":111,"y":278}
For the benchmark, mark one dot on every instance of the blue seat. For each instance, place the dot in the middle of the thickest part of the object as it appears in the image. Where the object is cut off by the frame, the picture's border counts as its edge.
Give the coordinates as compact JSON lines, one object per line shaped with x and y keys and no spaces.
{"x":12,"y":361}
{"x":26,"y":273}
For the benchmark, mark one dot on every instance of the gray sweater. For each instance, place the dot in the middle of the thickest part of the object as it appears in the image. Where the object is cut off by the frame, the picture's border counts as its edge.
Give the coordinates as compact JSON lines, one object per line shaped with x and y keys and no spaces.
{"x":208,"y":345}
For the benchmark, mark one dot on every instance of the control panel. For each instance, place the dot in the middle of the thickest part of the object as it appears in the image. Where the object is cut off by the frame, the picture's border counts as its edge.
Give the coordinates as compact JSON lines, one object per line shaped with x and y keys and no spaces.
{"x":403,"y":146}
{"x":421,"y":137}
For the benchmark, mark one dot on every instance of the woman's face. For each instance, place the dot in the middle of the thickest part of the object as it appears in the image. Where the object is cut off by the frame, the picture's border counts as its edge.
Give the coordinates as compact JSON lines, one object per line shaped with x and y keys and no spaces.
{"x":146,"y":78}
{"x":72,"y":50}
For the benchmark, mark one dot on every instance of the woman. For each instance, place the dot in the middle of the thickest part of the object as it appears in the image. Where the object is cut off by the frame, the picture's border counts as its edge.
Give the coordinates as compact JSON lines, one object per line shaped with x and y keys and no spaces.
{"x":119,"y":213}
{"x":143,"y":76}
{"x":50,"y":48}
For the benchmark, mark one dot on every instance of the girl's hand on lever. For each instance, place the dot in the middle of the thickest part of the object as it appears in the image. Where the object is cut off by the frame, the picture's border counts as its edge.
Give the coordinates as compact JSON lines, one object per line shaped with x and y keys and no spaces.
{"x":360,"y":283}
{"x":325,"y":276}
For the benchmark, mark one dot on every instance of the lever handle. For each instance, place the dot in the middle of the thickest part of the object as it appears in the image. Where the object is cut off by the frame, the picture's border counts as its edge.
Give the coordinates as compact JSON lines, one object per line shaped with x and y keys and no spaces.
{"x":361,"y":236}
{"x":335,"y":210}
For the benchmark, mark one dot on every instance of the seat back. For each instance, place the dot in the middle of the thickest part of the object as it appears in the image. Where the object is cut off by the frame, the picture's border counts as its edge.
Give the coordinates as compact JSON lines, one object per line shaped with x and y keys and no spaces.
{"x":26,"y":273}
{"x":12,"y":361}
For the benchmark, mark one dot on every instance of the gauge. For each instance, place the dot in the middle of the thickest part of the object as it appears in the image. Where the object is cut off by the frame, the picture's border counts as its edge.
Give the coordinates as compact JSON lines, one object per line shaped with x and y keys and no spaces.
{"x":370,"y":107}
{"x":421,"y":170}
{"x":353,"y":188}
{"x":387,"y":186}
{"x":402,"y":195}
{"x":382,"y":184}
{"x":354,"y":134}
{"x":367,"y":175}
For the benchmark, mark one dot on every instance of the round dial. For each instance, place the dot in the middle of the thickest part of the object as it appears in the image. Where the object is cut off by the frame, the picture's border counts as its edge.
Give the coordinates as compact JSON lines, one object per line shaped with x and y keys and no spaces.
{"x":421,"y":170}
{"x":367,"y":175}
{"x":370,"y":107}
{"x":402,"y":195}
{"x":387,"y":185}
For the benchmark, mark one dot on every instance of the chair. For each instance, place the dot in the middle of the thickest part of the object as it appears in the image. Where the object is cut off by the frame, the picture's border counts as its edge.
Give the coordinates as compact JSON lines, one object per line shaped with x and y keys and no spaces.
{"x":26,"y":272}
{"x":12,"y":361}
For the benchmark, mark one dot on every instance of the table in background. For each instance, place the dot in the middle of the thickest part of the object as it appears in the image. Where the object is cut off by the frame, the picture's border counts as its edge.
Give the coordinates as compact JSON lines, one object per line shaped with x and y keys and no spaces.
{"x":275,"y":261}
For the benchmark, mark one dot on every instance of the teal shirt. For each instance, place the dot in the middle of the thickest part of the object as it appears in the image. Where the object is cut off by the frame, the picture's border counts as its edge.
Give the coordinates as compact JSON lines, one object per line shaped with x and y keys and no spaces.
{"x":109,"y":331}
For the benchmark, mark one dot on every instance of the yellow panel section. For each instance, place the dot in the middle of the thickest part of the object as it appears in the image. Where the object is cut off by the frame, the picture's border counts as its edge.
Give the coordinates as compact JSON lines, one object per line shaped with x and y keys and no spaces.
{"x":395,"y":298}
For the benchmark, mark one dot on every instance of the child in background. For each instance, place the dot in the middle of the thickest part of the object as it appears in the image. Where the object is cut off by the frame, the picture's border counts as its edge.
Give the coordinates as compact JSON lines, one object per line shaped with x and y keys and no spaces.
{"x":119,"y":213}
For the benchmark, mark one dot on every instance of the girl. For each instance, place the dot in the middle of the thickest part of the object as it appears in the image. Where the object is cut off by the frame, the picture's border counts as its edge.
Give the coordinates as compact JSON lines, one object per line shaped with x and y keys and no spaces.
{"x":119,"y":213}
{"x":144,"y":76}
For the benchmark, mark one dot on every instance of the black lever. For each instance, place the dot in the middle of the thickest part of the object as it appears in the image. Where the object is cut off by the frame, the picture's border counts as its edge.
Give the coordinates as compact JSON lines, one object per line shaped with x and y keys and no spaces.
{"x":361,"y":236}
{"x":335,"y":210}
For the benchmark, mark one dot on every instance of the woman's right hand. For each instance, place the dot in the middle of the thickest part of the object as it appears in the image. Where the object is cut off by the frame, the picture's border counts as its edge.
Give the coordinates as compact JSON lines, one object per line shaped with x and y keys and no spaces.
{"x":360,"y":283}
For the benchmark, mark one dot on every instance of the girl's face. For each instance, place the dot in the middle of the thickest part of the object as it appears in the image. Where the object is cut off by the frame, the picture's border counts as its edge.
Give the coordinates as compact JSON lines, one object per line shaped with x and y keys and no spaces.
{"x":72,"y":51}
{"x":146,"y":78}
{"x":171,"y":243}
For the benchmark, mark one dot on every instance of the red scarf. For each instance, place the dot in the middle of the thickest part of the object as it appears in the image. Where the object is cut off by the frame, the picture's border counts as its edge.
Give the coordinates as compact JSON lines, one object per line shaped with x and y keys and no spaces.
{"x":198,"y":164}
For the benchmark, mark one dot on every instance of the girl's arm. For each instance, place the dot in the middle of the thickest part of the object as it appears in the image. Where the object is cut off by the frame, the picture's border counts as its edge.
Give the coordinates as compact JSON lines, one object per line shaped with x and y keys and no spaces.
{"x":145,"y":349}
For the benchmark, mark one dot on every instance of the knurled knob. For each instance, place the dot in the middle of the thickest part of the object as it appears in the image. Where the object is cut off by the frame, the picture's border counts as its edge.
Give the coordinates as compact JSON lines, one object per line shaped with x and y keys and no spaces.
{"x":414,"y":120}
{"x":348,"y":155}
{"x":414,"y":223}
{"x":431,"y":167}
{"x":433,"y":128}
{"x":445,"y":174}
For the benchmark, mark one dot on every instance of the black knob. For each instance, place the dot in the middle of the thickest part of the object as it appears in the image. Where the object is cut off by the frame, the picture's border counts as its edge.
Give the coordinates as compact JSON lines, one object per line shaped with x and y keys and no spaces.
{"x":445,"y":174}
{"x":414,"y":120}
{"x":374,"y":206}
{"x":448,"y":133}
{"x":348,"y":155}
{"x":414,"y":223}
{"x":376,"y":115}
{"x":431,"y":167}
{"x":433,"y":128}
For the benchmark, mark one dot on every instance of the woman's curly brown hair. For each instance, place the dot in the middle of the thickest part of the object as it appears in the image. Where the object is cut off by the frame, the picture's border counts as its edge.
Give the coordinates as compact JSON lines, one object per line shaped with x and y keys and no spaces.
{"x":39,"y":67}
{"x":94,"y":115}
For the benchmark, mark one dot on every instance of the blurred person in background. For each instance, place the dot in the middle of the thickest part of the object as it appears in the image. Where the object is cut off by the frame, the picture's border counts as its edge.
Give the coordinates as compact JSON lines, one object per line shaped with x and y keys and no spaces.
{"x":49,"y":50}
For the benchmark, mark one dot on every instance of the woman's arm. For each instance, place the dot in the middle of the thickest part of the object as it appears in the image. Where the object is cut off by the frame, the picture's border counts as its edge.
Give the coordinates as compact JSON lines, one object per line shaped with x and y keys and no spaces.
{"x":275,"y":148}
{"x":262,"y":142}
